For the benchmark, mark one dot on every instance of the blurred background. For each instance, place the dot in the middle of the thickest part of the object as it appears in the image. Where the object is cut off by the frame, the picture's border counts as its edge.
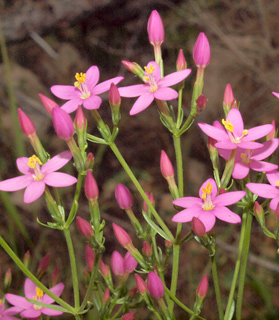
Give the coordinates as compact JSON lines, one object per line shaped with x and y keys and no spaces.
{"x":49,"y":41}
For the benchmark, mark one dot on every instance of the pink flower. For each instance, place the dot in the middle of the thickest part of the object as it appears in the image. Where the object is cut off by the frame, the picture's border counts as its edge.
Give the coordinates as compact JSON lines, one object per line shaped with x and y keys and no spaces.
{"x":269,"y":191}
{"x":154,"y":87}
{"x":155,"y":29}
{"x":85,"y":90}
{"x":123,"y":196}
{"x":233,"y":135}
{"x":34,"y":293}
{"x":36,"y":177}
{"x":8,"y":313}
{"x":247,"y":159}
{"x":209,"y":206}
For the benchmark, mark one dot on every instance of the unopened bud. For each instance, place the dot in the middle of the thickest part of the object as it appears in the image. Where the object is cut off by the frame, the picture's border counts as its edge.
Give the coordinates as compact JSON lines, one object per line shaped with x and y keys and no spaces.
{"x":123,"y":197}
{"x":146,"y":250}
{"x":203,"y":287}
{"x":84,"y":227}
{"x":141,"y":285}
{"x":63,"y":124}
{"x":201,"y":51}
{"x":91,"y":188}
{"x":155,"y":285}
{"x":48,"y":103}
{"x":181,"y":63}
{"x":198,"y":227}
{"x":201,"y":103}
{"x":89,"y":257}
{"x":25,"y":123}
{"x":122,"y":236}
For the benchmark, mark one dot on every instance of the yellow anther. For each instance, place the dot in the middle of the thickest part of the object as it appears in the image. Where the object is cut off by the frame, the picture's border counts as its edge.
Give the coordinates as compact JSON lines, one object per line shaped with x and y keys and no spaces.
{"x":277,"y":183}
{"x":145,"y":78}
{"x":207,"y":189}
{"x":80,"y":77}
{"x":32,"y":162}
{"x":1,"y":301}
{"x":228,"y":125}
{"x":35,"y":298}
{"x":39,"y":292}
{"x":150,"y":69}
{"x":244,"y":132}
{"x":243,"y":156}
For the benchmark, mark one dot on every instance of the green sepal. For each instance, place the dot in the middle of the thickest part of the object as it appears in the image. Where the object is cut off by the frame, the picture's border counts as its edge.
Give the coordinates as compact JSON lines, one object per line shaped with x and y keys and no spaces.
{"x":95,"y":139}
{"x":155,"y":227}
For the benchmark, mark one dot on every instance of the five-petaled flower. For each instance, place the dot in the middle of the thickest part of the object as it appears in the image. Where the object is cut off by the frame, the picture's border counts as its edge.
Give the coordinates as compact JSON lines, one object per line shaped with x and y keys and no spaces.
{"x":233,"y":135}
{"x":36,"y":177}
{"x":85,"y":90}
{"x":33,"y":292}
{"x":154,"y":87}
{"x":208,"y":206}
{"x":8,"y":313}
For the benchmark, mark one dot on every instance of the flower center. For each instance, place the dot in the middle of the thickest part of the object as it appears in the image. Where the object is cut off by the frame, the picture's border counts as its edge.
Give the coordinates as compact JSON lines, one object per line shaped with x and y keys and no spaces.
{"x":81,"y":85}
{"x":206,"y":197}
{"x":149,"y":78}
{"x":246,"y":157}
{"x":38,"y":297}
{"x":34,"y":163}
{"x":230,"y":129}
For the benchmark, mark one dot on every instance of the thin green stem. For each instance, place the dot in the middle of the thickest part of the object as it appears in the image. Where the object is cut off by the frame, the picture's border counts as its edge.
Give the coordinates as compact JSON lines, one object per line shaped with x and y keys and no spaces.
{"x":242,"y":274}
{"x":217,"y":288}
{"x":179,"y":163}
{"x":237,"y":266}
{"x":73,"y":266}
{"x":179,"y":110}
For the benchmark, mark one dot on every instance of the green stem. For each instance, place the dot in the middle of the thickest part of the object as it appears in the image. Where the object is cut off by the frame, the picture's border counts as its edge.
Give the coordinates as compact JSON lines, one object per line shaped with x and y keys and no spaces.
{"x":30,"y":275}
{"x":242,"y":274}
{"x":140,"y":190}
{"x":237,"y":266}
{"x":228,"y":170}
{"x":73,"y":266}
{"x":179,"y":163}
{"x":217,"y":288}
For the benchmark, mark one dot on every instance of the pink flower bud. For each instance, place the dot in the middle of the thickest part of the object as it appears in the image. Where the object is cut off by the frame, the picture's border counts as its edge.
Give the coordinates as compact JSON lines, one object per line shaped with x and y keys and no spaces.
{"x":155,"y":29}
{"x":114,"y":96}
{"x":123,"y":197}
{"x":91,"y":189}
{"x":201,"y":52}
{"x":63,"y":124}
{"x":130,"y":263}
{"x":134,"y":68}
{"x":166,"y":165}
{"x":84,"y":227}
{"x":203,"y":287}
{"x":104,"y":269}
{"x":146,"y":250}
{"x":133,"y":292}
{"x":48,"y":103}
{"x":106,"y":296}
{"x":122,"y":236}
{"x":89,"y":163}
{"x":80,"y":120}
{"x":272,"y":134}
{"x":54,"y":277}
{"x":128,"y":316}
{"x":8,"y":279}
{"x":151,"y":199}
{"x":222,"y":191}
{"x":201,"y":103}
{"x":155,"y":285}
{"x":168,"y":244}
{"x":26,"y":258}
{"x":117,"y":264}
{"x":198,"y":227}
{"x":141,"y":285}
{"x":44,"y":263}
{"x":25,"y":123}
{"x":181,"y":63}
{"x":89,"y":257}
{"x":228,"y":95}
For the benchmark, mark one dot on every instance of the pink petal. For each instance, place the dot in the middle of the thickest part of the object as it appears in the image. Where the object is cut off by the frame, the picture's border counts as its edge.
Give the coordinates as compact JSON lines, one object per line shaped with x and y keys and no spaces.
{"x":59,"y":179}
{"x":72,"y":105}
{"x":213,"y":132}
{"x":226,"y":199}
{"x":174,"y":78}
{"x":34,"y":191}
{"x":157,"y":71}
{"x":22,"y":165}
{"x":234,"y":116}
{"x":18,"y":301}
{"x":276,"y":94}
{"x":57,"y":162}
{"x":92,"y":103}
{"x":213,"y":191}
{"x":17,"y":183}
{"x":274,"y":203}
{"x":273,"y":177}
{"x":11,"y":311}
{"x":142,"y":103}
{"x":105,"y":86}
{"x":225,"y":214}
{"x":188,"y":202}
{"x":258,"y":132}
{"x":226,"y":154}
{"x":133,"y":91}
{"x":165,"y":94}
{"x":268,"y":148}
{"x":249,"y":145}
{"x":51,"y":312}
{"x":240,"y":170}
{"x":228,"y":145}
{"x":187,"y":214}
{"x":29,"y":289}
{"x":30,"y":313}
{"x":65,"y":92}
{"x":263,"y":190}
{"x":262,"y":166}
{"x":208,"y":219}
{"x":57,"y":290}
{"x":92,"y":77}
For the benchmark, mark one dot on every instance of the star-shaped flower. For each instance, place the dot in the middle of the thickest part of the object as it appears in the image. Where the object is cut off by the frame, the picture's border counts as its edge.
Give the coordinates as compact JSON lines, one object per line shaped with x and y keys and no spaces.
{"x":208,"y":206}
{"x":35,"y":178}
{"x":154,"y":87}
{"x":85,"y":90}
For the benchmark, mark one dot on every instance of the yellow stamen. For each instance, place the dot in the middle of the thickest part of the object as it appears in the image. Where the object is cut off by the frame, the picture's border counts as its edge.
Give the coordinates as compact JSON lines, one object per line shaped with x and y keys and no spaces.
{"x":80,"y":77}
{"x":1,"y":301}
{"x":150,"y":69}
{"x":228,"y":125}
{"x":206,"y":190}
{"x":244,"y":132}
{"x":277,"y":183}
{"x":32,"y":162}
{"x":145,"y":78}
{"x":35,"y":298}
{"x":39,"y":292}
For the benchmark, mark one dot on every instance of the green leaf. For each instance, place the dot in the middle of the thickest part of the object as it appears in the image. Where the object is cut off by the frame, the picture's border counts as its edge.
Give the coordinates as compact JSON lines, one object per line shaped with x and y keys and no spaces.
{"x":155,"y":227}
{"x":95,"y":139}
{"x":231,"y":311}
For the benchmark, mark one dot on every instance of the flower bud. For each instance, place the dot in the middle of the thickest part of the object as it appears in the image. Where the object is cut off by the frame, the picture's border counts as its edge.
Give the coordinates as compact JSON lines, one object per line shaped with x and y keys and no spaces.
{"x":166,"y":165}
{"x":25,"y":123}
{"x":7,"y":279}
{"x":89,"y":257}
{"x":54,"y":277}
{"x":201,"y":52}
{"x":48,"y":103}
{"x":26,"y":259}
{"x":106,"y":296}
{"x":155,"y":29}
{"x":151,"y":199}
{"x":155,"y":285}
{"x":133,"y":292}
{"x":91,"y":188}
{"x":201,"y":103}
{"x":181,"y":63}
{"x":198,"y":227}
{"x":114,"y":96}
{"x":130,"y":263}
{"x":134,"y":68}
{"x":168,"y":244}
{"x":104,"y":269}
{"x":117,"y":264}
{"x":123,"y":197}
{"x":228,"y":95}
{"x":146,"y":250}
{"x":63,"y":124}
{"x":128,"y":316}
{"x":122,"y":236}
{"x":89,"y":163}
{"x":203,"y":287}
{"x":84,"y":227}
{"x":80,"y":120}
{"x":141,"y":285}
{"x":44,"y":263}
